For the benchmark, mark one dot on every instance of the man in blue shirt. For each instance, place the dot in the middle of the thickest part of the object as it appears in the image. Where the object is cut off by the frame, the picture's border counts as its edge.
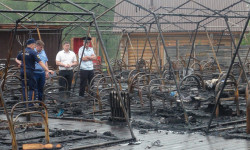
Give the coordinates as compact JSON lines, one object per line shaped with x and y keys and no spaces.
{"x":31,"y":57}
{"x":39,"y":72}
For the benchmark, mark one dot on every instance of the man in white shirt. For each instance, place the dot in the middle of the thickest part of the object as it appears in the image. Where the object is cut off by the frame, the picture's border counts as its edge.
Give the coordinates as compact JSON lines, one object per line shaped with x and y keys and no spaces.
{"x":86,"y":56}
{"x":66,"y":59}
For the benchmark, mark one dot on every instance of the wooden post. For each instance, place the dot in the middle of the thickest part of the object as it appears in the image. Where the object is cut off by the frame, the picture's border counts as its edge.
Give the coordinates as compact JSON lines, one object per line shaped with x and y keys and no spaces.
{"x":127,"y":60}
{"x":177,"y":58}
{"x":1,"y":102}
{"x":248,"y":110}
{"x":177,"y":50}
{"x":211,"y":44}
{"x":232,"y":50}
{"x":38,"y":32}
{"x":194,"y":56}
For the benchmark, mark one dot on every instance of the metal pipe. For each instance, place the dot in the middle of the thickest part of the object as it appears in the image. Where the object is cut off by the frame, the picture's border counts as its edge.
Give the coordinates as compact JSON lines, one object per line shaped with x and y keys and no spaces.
{"x":125,"y":49}
{"x":211,"y":44}
{"x":78,"y":6}
{"x":131,"y":46}
{"x":25,"y":83}
{"x":154,"y":57}
{"x":44,"y":116}
{"x":192,"y":49}
{"x":244,"y":64}
{"x":10,"y":123}
{"x":84,"y":46}
{"x":110,"y":68}
{"x":44,"y":12}
{"x":168,"y":58}
{"x":238,"y":55}
{"x":154,"y":11}
{"x":118,"y":49}
{"x":227,"y":75}
{"x":147,"y":36}
{"x":153,"y":51}
{"x":218,"y":13}
{"x":208,"y":16}
{"x":222,"y":34}
{"x":248,"y":110}
{"x":41,"y":5}
{"x":113,"y":78}
{"x":109,"y":22}
{"x":171,"y":67}
{"x":109,"y":9}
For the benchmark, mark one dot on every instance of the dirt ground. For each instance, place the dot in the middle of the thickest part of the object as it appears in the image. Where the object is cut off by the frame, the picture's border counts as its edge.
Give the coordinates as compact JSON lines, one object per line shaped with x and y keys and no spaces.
{"x":82,"y":123}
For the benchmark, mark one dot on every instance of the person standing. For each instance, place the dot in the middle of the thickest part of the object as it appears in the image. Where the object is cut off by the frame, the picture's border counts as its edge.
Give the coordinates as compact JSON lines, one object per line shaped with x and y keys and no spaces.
{"x":86,"y":56}
{"x":39,"y":72}
{"x":66,"y":59}
{"x":31,"y":57}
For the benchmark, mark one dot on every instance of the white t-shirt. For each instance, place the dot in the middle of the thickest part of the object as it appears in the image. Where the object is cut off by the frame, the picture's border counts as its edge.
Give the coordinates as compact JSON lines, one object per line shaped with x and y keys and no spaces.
{"x":86,"y":65}
{"x":66,"y":58}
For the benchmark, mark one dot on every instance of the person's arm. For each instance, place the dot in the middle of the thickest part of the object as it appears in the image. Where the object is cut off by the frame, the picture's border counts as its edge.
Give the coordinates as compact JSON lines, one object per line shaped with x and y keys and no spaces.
{"x":93,"y":56}
{"x":74,"y":63}
{"x":79,"y":54}
{"x":46,"y":72}
{"x":58,"y":62}
{"x":45,"y":68}
{"x":19,"y":62}
{"x":38,"y":60}
{"x":86,"y":58}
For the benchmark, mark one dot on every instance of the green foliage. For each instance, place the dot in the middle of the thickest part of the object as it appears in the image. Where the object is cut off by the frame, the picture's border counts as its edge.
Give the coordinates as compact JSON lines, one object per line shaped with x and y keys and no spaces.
{"x":110,"y":41}
{"x":246,"y":40}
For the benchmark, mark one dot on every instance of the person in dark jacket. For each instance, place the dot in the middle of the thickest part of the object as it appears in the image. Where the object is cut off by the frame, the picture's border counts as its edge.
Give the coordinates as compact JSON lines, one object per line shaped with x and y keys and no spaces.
{"x":31,"y":57}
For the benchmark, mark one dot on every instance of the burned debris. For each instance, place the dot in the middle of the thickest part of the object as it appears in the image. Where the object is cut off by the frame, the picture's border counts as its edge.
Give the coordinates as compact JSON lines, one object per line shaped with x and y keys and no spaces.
{"x":171,"y":71}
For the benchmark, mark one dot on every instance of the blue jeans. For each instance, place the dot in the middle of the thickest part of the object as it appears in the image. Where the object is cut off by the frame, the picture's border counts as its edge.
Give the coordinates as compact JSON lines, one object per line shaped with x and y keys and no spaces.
{"x":31,"y":84}
{"x":40,"y":81}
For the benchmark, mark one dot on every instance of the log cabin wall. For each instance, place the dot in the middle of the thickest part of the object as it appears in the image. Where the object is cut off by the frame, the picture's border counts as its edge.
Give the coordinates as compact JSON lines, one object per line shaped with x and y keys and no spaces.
{"x":51,"y":38}
{"x":134,"y":46}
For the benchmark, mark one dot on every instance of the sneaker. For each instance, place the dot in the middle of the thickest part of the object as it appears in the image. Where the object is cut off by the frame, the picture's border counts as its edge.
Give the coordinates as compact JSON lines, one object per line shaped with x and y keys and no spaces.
{"x":60,"y":113}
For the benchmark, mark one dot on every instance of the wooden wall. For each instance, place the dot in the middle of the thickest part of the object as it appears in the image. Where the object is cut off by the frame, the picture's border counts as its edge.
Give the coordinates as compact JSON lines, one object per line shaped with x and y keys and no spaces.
{"x":203,"y":50}
{"x":51,"y":38}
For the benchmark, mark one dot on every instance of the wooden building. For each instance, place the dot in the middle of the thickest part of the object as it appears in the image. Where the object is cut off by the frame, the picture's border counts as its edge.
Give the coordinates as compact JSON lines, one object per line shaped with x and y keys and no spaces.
{"x":50,"y":34}
{"x":178,"y":37}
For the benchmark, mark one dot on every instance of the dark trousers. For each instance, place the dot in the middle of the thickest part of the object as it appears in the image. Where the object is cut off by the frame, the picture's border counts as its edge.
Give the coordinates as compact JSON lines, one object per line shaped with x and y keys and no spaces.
{"x":85,"y":78}
{"x":31,"y":84}
{"x":68,"y":75}
{"x":40,"y":81}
